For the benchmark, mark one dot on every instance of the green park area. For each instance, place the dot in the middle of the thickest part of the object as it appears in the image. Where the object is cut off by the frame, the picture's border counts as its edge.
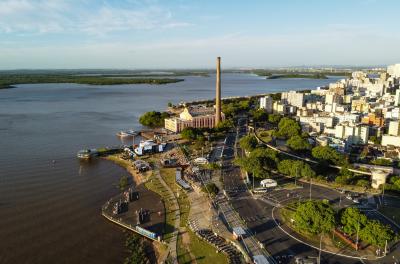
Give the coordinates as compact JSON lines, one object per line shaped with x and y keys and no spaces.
{"x":156,"y":186}
{"x":340,"y":229}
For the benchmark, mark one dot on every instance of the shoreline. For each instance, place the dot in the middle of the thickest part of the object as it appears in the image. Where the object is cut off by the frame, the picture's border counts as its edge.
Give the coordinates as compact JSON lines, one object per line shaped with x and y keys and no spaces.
{"x":136,"y":177}
{"x":138,"y":180}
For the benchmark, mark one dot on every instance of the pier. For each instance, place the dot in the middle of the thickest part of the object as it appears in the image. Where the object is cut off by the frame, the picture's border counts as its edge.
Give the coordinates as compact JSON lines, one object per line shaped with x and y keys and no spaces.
{"x":145,"y":214}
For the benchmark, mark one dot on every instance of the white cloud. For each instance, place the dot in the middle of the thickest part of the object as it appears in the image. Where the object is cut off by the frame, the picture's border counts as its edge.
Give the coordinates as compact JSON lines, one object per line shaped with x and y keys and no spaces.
{"x":44,"y":16}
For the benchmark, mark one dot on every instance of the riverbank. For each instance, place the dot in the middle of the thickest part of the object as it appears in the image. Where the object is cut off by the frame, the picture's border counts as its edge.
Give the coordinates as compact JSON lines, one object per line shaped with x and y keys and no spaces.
{"x":137,"y":177}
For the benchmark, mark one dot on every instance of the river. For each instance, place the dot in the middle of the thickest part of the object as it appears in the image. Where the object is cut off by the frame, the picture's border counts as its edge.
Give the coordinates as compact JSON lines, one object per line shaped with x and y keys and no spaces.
{"x":49,"y":201}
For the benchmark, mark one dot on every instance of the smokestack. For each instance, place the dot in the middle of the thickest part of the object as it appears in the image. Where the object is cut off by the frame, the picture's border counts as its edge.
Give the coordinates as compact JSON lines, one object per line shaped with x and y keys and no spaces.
{"x":218,"y":93}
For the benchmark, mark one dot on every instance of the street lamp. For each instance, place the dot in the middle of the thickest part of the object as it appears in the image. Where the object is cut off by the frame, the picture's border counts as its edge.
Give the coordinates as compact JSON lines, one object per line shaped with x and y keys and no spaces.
{"x":320,"y":249}
{"x":358,"y":230}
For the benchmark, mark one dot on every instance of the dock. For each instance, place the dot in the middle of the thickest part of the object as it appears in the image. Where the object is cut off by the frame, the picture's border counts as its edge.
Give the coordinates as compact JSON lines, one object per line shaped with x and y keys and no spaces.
{"x":148,"y":203}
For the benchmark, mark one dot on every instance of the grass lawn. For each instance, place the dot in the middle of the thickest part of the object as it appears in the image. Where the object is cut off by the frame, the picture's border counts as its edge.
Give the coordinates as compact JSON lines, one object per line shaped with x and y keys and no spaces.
{"x":168,"y":175}
{"x":155,"y":185}
{"x":265,"y":135}
{"x":392,"y":213}
{"x":204,"y":252}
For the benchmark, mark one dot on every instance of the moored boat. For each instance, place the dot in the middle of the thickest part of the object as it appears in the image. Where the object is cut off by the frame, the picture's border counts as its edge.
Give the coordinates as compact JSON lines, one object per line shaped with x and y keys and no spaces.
{"x":87,"y":153}
{"x":127,"y":133}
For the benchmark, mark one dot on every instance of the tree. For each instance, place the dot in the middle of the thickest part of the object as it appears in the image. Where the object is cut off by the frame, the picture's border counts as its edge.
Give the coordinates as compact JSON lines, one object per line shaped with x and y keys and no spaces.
{"x":259,"y":115}
{"x":314,"y":217}
{"x":344,"y":177}
{"x":382,"y":162}
{"x":153,"y":119}
{"x":328,"y":154}
{"x":274,"y":118}
{"x":268,"y":157}
{"x":376,"y":233}
{"x":224,"y":126}
{"x":341,"y":180}
{"x":363,"y":183}
{"x":352,"y":220}
{"x":253,"y":166}
{"x":298,"y":143}
{"x":211,"y":188}
{"x":288,"y":128}
{"x":190,"y":133}
{"x":248,"y":142}
{"x":137,"y":254}
{"x":307,"y":172}
{"x":296,"y":168}
{"x":259,"y":162}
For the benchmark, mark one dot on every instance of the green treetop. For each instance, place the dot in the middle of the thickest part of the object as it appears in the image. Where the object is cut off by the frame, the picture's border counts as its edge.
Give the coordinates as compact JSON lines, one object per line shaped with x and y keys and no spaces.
{"x":314,"y":217}
{"x":298,"y":143}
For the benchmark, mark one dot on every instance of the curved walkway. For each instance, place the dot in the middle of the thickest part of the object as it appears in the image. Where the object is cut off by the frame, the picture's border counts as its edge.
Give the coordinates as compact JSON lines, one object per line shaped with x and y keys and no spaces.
{"x":177,"y":215}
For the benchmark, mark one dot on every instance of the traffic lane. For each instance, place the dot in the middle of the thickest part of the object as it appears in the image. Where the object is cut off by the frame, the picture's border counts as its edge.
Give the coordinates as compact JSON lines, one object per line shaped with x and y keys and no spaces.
{"x":317,"y":192}
{"x":278,"y":243}
{"x":232,"y":179}
{"x":391,"y":201}
{"x":259,"y":220}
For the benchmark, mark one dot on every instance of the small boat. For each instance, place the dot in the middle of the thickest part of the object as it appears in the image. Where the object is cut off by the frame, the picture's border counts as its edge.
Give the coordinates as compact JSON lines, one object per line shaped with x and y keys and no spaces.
{"x":127,"y":133}
{"x":87,"y":153}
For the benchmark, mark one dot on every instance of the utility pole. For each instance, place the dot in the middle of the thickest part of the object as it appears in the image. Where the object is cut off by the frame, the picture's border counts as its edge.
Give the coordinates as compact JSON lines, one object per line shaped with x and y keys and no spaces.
{"x":386,"y":247}
{"x":320,"y":249}
{"x":310,"y":187}
{"x":358,"y":230}
{"x":383,"y":194}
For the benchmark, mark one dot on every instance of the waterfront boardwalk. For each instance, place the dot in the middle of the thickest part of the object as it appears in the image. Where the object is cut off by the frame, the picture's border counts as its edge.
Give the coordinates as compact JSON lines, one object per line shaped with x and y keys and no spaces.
{"x":149,"y":201}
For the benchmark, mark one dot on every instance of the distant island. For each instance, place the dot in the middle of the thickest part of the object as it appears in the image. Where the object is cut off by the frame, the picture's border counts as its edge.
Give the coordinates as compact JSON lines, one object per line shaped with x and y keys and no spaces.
{"x":9,"y":80}
{"x":299,"y":75}
{"x":282,"y":74}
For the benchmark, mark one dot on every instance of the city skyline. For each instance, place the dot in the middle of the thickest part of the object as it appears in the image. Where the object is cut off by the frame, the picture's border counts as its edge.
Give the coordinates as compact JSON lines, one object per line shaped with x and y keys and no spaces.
{"x":177,"y":34}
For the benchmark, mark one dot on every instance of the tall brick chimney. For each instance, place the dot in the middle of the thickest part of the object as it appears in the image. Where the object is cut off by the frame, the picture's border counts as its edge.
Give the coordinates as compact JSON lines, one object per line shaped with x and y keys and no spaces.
{"x":218,"y":93}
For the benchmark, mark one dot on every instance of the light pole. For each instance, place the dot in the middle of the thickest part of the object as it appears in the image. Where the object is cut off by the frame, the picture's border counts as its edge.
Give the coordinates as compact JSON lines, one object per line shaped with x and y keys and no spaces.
{"x":358,"y":230}
{"x":320,"y":249}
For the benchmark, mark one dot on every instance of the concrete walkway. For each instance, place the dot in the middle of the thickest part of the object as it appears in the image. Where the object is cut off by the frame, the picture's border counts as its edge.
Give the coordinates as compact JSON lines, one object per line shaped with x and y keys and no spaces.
{"x":177,"y":216}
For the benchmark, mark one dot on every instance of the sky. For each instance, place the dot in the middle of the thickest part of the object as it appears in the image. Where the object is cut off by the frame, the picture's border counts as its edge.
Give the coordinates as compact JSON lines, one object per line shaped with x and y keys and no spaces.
{"x":177,"y":34}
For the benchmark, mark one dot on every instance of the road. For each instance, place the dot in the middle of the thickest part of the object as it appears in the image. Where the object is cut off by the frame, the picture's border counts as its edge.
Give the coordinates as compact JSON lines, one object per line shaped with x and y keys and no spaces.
{"x":257,"y":212}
